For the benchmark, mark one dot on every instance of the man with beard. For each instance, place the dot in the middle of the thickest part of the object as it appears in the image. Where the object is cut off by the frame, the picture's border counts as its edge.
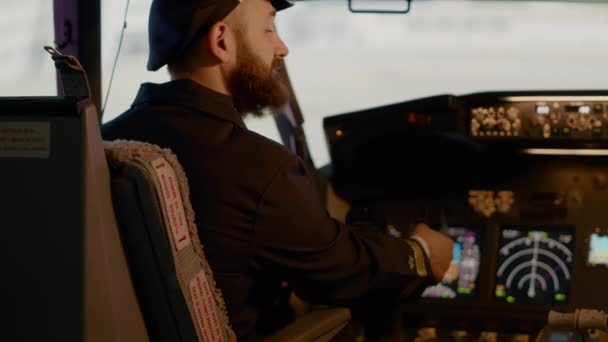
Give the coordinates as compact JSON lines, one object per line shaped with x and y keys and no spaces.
{"x":257,"y":208}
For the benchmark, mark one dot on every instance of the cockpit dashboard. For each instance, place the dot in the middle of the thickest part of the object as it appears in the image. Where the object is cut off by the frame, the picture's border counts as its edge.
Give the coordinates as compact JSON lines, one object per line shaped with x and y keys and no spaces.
{"x":519,"y":181}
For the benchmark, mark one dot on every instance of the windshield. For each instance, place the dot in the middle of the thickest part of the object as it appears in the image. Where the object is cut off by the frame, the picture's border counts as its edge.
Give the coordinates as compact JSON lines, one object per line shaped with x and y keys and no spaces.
{"x":25,"y":27}
{"x":341,"y":62}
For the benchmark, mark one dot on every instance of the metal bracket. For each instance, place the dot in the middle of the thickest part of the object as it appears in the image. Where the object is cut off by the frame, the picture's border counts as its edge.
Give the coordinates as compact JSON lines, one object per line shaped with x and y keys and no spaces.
{"x":73,"y":77}
{"x":404,"y":11}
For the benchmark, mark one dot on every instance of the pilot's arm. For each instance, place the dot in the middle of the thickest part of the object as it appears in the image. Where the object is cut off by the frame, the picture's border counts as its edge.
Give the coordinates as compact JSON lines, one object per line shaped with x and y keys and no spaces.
{"x":323,"y":260}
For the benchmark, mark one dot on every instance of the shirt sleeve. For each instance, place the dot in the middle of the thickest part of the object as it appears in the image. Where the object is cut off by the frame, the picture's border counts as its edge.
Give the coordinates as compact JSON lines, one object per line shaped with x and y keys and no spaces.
{"x":323,"y":260}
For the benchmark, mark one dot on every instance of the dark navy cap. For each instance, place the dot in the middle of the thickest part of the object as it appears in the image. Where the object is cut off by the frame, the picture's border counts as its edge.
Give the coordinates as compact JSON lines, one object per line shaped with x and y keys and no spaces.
{"x":173,"y":24}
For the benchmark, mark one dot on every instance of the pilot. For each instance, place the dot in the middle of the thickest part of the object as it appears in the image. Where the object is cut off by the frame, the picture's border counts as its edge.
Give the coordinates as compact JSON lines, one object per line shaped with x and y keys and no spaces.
{"x":257,"y":208}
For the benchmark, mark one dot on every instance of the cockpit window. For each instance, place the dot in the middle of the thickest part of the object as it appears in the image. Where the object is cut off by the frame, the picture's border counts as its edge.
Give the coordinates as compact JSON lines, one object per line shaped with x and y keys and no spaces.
{"x":26,"y":69}
{"x":131,"y":63}
{"x":341,"y":62}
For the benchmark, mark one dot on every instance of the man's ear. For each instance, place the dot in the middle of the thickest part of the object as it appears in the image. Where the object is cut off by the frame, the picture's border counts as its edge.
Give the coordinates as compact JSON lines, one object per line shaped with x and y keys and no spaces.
{"x":220,"y":42}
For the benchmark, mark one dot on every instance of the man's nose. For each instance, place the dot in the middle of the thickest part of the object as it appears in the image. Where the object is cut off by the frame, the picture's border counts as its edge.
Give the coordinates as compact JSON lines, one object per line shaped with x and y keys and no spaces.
{"x":282,"y":49}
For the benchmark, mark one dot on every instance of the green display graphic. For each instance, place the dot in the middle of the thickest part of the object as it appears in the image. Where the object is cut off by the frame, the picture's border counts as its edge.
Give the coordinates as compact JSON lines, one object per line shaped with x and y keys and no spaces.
{"x":534,"y":266}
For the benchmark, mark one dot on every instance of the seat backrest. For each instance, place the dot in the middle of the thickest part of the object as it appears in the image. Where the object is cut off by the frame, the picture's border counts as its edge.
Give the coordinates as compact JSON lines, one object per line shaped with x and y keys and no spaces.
{"x":112,"y":311}
{"x":172,"y":278}
{"x":65,"y":276}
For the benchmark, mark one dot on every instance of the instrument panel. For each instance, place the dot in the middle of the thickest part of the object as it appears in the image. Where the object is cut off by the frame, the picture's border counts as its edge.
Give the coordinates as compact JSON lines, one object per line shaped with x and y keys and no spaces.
{"x":550,"y":117}
{"x":530,"y":229}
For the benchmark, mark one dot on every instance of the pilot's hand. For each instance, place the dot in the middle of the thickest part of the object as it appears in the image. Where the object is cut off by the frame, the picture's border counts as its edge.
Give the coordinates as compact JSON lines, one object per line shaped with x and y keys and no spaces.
{"x":451,"y":274}
{"x":440,"y":249}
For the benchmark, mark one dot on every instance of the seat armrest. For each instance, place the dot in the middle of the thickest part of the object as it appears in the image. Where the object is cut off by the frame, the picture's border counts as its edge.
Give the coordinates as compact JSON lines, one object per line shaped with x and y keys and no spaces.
{"x":320,"y":325}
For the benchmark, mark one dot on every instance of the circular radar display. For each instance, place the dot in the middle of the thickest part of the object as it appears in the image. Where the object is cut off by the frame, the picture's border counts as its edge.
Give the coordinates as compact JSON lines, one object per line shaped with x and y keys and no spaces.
{"x":534,"y":266}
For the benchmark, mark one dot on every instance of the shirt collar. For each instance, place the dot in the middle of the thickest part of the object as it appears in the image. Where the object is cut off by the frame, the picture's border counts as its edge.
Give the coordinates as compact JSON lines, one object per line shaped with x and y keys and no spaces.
{"x":189,"y":93}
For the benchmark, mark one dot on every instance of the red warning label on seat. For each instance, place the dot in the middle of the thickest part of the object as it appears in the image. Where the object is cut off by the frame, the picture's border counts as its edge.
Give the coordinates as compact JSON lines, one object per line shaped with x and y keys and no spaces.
{"x":204,"y":306}
{"x":25,"y":139}
{"x":173,"y":203}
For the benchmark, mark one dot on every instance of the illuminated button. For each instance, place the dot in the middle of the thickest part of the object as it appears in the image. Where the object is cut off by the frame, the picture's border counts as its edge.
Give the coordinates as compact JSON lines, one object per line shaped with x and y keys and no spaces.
{"x":555,"y":131}
{"x":510,"y":299}
{"x":411,"y":117}
{"x":543,"y":109}
{"x":597,"y":131}
{"x":566,"y":131}
{"x":560,"y":297}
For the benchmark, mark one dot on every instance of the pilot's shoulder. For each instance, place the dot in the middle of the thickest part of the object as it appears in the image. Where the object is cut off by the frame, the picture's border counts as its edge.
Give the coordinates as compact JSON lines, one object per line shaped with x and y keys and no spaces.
{"x":266,"y":143}
{"x":265,"y":157}
{"x":270,"y":151}
{"x":145,"y":122}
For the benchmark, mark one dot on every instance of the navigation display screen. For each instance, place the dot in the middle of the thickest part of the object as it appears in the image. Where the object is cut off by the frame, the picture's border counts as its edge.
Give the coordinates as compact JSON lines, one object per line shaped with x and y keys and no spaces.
{"x":598,"y":250}
{"x":534,"y":265}
{"x":461,"y":278}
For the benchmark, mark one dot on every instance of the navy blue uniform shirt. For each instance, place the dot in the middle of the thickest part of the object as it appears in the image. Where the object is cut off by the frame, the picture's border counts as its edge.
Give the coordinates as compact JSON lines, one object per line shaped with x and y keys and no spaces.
{"x":258,"y":211}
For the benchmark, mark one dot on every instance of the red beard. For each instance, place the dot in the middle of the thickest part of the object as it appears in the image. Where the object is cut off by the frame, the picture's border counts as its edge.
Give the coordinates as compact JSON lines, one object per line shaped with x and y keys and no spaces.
{"x":253,"y":87}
